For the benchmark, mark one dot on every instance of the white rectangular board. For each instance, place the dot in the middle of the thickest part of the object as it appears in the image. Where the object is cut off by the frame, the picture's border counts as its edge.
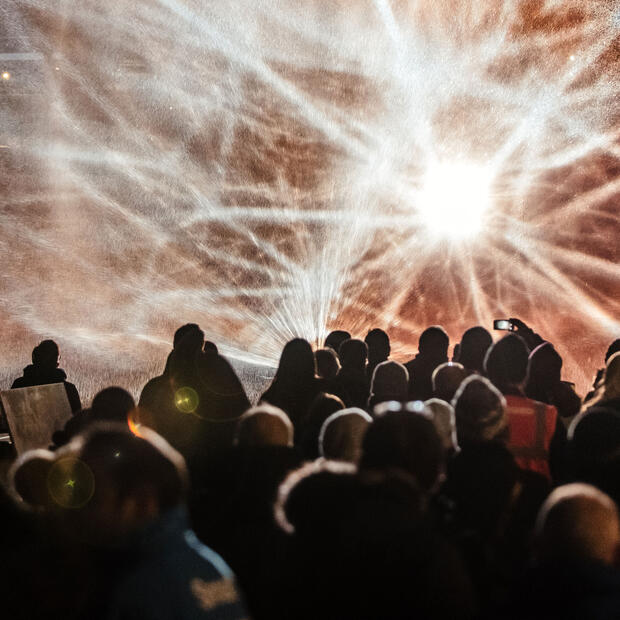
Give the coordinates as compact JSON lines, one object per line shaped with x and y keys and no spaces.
{"x":34,"y":413}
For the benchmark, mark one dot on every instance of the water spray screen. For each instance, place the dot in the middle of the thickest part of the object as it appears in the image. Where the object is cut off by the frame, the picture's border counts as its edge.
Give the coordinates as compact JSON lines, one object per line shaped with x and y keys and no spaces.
{"x":278,"y":169}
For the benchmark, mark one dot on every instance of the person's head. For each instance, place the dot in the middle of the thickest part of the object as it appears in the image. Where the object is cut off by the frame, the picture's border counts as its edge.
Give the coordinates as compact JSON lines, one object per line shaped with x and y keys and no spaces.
{"x":505,"y":363}
{"x":593,"y":442}
{"x":264,"y":425}
{"x":210,"y":347}
{"x":306,"y":492}
{"x":611,"y":379}
{"x":390,"y":381}
{"x":544,"y":370}
{"x":297,"y":363}
{"x":46,"y":354}
{"x":327,"y":364}
{"x":112,"y":404}
{"x":378,"y":345}
{"x":366,"y":545}
{"x":320,"y":409}
{"x":614,"y":347}
{"x":342,"y":433}
{"x":474,"y":345}
{"x":434,"y":342}
{"x":180,"y":333}
{"x":112,"y":482}
{"x":579,"y":523}
{"x":28,"y":477}
{"x":188,"y":340}
{"x":336,"y":338}
{"x":353,"y":354}
{"x":442,"y":415}
{"x":322,"y":499}
{"x":479,"y":412}
{"x":446,"y":379}
{"x":404,"y":437}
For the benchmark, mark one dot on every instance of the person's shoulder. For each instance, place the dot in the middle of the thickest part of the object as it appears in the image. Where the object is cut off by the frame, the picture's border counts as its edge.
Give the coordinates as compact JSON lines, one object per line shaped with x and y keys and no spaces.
{"x":152,"y":386}
{"x":608,"y":408}
{"x":19,"y":383}
{"x":212,"y":583}
{"x":411,"y":363}
{"x":197,"y":583}
{"x":212,"y":562}
{"x":523,"y":406}
{"x":70,"y":387}
{"x":550,"y":410}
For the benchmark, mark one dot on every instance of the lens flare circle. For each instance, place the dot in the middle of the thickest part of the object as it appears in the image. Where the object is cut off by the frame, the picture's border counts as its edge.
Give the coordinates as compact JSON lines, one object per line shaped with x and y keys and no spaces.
{"x":186,"y":400}
{"x":454,"y":200}
{"x":71,"y":483}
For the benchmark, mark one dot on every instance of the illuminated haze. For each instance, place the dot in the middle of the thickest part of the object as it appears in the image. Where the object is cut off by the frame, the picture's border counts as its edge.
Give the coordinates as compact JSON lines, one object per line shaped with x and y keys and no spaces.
{"x":278,"y":169}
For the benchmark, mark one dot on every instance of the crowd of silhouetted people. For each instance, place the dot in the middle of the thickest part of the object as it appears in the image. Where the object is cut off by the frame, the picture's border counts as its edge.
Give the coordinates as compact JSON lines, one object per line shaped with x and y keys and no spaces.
{"x":472,"y":485}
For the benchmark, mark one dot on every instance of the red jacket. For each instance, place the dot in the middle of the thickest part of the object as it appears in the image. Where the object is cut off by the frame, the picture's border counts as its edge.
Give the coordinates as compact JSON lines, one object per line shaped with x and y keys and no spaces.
{"x":532,"y":425}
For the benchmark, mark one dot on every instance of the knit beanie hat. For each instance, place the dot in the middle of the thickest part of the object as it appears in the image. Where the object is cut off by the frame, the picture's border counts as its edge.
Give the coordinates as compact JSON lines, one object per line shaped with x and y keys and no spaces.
{"x":479,"y":411}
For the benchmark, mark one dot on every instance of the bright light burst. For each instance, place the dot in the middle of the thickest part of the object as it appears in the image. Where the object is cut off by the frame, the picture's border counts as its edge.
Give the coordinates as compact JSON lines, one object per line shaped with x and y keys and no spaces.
{"x":272,"y":169}
{"x":454,"y":200}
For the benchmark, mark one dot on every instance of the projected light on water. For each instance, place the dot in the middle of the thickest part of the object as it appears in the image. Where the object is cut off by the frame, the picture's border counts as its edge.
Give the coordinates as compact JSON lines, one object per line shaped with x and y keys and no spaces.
{"x":274,"y":169}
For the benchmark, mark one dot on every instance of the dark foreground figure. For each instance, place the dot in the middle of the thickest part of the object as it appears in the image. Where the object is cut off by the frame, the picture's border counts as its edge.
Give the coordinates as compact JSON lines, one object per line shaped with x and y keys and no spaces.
{"x":358,"y":488}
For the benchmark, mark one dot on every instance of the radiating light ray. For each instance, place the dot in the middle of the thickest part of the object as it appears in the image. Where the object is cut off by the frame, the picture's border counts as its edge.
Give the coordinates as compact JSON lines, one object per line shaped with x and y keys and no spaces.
{"x":259,"y":168}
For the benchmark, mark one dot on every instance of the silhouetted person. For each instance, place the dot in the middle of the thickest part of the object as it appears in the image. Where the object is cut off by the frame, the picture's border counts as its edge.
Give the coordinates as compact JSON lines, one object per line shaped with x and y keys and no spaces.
{"x":544,"y":382}
{"x":593,"y":450}
{"x":493,"y":510}
{"x":179,"y":334}
{"x":432,"y":351}
{"x":336,"y":338}
{"x":362,"y":547}
{"x":196,"y":403}
{"x":533,"y":425}
{"x":210,"y":346}
{"x":351,"y":383}
{"x":327,"y":364}
{"x":112,"y":404}
{"x":44,"y":370}
{"x":29,"y":477}
{"x":405,"y":440}
{"x":607,"y":394}
{"x":473,"y":347}
{"x":378,"y":349}
{"x":295,"y":384}
{"x":576,"y":574}
{"x":233,"y":511}
{"x":137,"y":489}
{"x":321,"y":408}
{"x":342,"y":434}
{"x":614,"y":347}
{"x":479,"y":412}
{"x":446,"y":379}
{"x":264,"y":425}
{"x":188,"y":342}
{"x":390,"y":381}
